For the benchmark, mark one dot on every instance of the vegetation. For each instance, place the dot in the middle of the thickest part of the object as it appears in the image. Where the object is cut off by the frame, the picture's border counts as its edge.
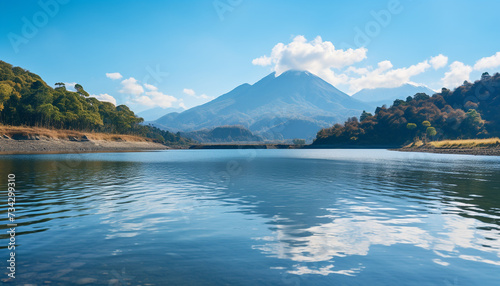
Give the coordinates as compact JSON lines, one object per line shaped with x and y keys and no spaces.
{"x":467,"y":143}
{"x":299,"y":141}
{"x":232,"y":133}
{"x":25,"y":99}
{"x":23,"y":132}
{"x":470,"y":111}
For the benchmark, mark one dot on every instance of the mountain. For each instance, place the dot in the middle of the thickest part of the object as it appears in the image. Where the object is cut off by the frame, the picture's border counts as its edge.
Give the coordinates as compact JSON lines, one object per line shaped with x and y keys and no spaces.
{"x":157,"y":112}
{"x":380,"y":96}
{"x":223,"y":134}
{"x":295,"y":104}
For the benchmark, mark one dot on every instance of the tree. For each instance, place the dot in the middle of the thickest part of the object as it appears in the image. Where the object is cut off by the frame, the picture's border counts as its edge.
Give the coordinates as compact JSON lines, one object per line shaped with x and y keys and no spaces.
{"x":431,"y":131}
{"x":421,"y":96}
{"x":411,"y":126}
{"x":364,"y":115}
{"x":81,"y":91}
{"x":426,"y":123}
{"x":398,"y":102}
{"x":485,"y":76}
{"x":5,"y":93}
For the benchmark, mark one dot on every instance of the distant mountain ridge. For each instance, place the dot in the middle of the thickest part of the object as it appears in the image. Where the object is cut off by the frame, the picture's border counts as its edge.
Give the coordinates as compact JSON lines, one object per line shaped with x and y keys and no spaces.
{"x":296,"y":104}
{"x":157,"y":112}
{"x":379,"y":96}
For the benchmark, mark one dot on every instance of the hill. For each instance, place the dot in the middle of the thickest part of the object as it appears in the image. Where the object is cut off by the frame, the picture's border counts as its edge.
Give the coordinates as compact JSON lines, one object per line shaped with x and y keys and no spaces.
{"x":295,"y":98}
{"x":25,"y":99}
{"x":470,"y":111}
{"x":223,"y":134}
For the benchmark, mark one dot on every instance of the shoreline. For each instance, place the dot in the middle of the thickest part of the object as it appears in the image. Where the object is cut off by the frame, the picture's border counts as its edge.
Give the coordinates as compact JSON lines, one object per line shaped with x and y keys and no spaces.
{"x":455,"y":151}
{"x":62,"y":146}
{"x":70,"y":146}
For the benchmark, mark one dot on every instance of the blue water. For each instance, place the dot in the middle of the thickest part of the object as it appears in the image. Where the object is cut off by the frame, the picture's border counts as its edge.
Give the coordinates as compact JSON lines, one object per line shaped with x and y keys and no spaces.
{"x":254,"y":217}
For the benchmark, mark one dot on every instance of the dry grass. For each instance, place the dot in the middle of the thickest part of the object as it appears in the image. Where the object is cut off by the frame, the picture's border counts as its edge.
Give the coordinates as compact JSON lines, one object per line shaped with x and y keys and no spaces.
{"x":415,"y":144}
{"x":44,"y":133}
{"x":467,"y":143}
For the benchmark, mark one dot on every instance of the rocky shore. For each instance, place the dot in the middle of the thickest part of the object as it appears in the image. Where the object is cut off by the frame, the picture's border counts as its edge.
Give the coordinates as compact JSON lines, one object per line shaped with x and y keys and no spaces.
{"x":49,"y":145}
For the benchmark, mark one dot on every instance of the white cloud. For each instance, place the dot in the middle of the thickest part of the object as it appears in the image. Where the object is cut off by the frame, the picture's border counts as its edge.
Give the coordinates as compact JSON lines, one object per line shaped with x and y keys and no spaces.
{"x":189,"y":91}
{"x":338,"y":66}
{"x":131,"y":86}
{"x":317,"y":56}
{"x":153,"y":97}
{"x":262,"y":61}
{"x":438,"y":61}
{"x":150,"y":86}
{"x":105,"y":97}
{"x":181,"y":104}
{"x":384,"y":75}
{"x":150,"y":97}
{"x":458,"y":73}
{"x":114,"y":75}
{"x":488,"y":62}
{"x":192,"y":93}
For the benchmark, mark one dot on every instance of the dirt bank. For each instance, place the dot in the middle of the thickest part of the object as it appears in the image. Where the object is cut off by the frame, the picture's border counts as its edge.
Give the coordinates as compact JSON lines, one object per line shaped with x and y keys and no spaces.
{"x":32,"y":140}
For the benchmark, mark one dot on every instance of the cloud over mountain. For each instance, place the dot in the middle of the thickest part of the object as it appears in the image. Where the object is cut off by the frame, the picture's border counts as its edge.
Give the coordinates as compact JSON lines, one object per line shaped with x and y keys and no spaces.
{"x":317,"y":56}
{"x":338,"y":66}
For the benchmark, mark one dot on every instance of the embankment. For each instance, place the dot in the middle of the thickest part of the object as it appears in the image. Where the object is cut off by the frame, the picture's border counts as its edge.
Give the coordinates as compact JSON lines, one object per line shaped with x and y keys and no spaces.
{"x":33,"y":140}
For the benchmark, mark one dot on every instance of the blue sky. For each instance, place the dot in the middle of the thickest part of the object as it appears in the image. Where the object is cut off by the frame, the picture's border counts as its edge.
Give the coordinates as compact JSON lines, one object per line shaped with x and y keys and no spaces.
{"x":183,"y":53}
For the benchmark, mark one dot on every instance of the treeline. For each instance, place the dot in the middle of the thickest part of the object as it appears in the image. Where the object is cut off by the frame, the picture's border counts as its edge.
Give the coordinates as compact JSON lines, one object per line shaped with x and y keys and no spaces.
{"x":231,"y":133}
{"x":25,"y":99}
{"x":470,"y":111}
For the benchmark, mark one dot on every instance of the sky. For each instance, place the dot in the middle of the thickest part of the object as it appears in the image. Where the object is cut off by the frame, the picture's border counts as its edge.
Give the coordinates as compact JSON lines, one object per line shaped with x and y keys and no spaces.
{"x":184,"y":53}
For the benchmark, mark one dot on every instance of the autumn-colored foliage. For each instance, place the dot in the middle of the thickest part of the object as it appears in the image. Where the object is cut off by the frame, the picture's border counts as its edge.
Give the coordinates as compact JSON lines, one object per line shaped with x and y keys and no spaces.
{"x":470,"y":111}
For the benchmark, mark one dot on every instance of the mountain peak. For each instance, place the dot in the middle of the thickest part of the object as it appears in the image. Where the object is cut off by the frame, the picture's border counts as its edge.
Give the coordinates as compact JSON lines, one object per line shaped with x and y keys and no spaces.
{"x":387,"y":95}
{"x":295,"y":73}
{"x":296,"y":104}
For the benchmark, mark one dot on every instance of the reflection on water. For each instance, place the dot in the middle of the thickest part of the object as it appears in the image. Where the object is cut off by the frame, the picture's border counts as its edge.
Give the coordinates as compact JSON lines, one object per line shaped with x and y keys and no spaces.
{"x":287,"y":217}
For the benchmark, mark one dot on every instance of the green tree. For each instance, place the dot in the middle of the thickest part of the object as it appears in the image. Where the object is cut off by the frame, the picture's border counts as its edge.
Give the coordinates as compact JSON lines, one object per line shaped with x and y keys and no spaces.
{"x":5,"y":93}
{"x":426,"y":123}
{"x":81,"y":91}
{"x":411,"y":126}
{"x":431,"y":131}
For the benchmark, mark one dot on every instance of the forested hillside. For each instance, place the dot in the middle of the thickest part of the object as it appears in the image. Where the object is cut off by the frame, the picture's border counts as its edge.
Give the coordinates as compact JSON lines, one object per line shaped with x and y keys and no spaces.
{"x":223,"y":134}
{"x":470,"y":111}
{"x":25,"y":99}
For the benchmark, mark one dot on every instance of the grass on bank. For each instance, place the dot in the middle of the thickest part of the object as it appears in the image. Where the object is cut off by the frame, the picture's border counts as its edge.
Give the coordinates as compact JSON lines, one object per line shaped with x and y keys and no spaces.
{"x":458,"y":144}
{"x":44,"y":133}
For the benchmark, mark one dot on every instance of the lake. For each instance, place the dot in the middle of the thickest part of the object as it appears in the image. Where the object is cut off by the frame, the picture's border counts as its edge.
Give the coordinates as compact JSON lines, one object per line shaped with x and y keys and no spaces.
{"x":254,"y":217}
